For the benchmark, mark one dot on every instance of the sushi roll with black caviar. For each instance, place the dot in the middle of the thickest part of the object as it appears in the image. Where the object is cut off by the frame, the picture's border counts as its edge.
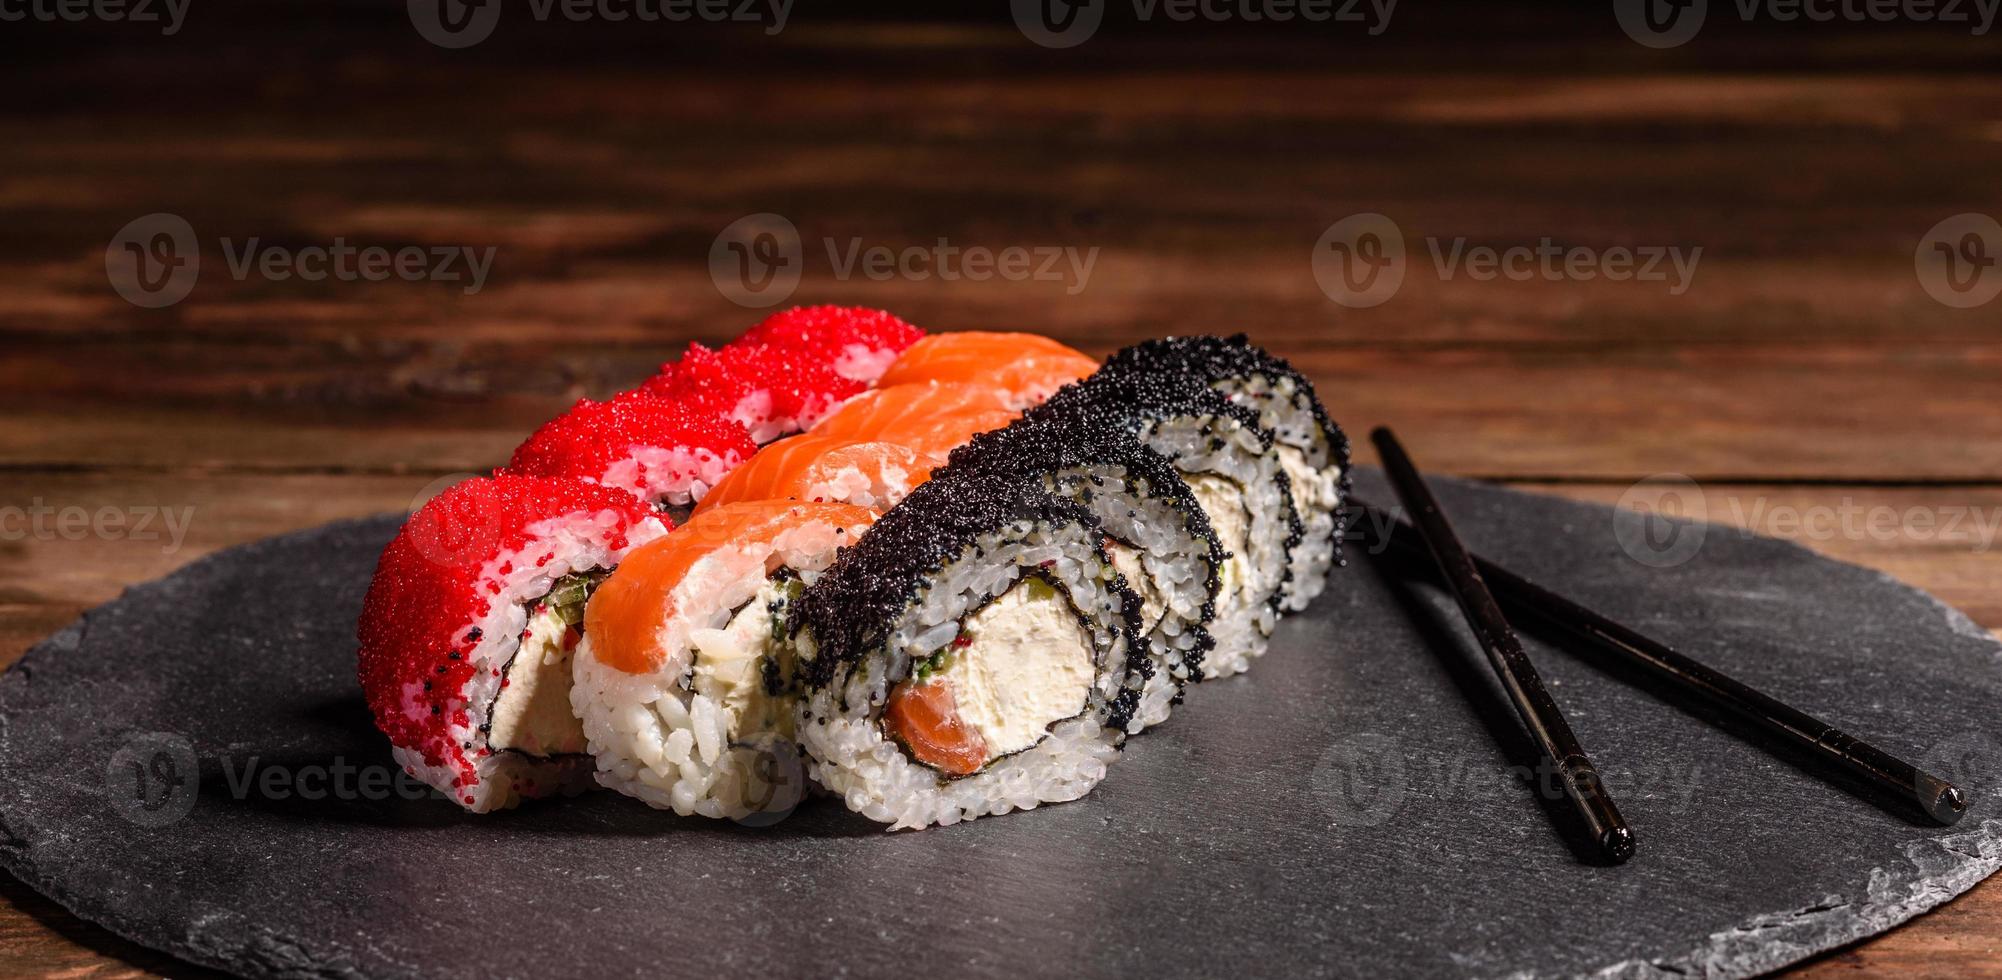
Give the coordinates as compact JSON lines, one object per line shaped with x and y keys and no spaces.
{"x":977,"y":652}
{"x":683,"y":681}
{"x":1226,"y":457}
{"x":468,"y":628}
{"x":1155,"y":531}
{"x":1312,"y":450}
{"x":665,"y":454}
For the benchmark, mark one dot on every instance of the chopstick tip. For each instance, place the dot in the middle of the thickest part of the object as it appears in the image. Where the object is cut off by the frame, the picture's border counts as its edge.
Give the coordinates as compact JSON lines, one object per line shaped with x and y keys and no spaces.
{"x":1618,"y":843}
{"x":1949,"y":805}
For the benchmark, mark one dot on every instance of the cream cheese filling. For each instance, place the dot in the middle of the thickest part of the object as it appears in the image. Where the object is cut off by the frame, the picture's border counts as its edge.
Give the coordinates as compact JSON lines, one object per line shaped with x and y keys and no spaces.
{"x":1313,"y":491}
{"x":532,"y":713}
{"x":1131,"y":564}
{"x":730,"y":662}
{"x":1222,"y":501}
{"x":1020,"y":665}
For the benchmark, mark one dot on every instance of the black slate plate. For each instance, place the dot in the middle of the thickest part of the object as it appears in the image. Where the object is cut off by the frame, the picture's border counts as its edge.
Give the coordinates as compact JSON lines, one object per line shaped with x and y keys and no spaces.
{"x":1343,"y":810}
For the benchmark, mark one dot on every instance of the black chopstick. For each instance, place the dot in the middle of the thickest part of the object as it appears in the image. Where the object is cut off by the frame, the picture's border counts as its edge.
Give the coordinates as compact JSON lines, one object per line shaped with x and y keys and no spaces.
{"x":1892,"y":778}
{"x":1540,"y":714}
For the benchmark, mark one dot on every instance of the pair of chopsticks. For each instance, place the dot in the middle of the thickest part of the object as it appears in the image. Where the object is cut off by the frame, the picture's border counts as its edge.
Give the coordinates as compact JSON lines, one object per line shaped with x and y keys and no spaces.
{"x":1469,"y":576}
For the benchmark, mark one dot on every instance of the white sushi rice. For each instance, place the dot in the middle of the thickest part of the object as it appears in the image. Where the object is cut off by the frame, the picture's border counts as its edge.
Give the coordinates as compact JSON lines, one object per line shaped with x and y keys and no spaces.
{"x":1164,"y":562}
{"x":672,"y":738}
{"x":676,"y":477}
{"x":1311,"y":466}
{"x":1245,"y":473}
{"x":840,"y":725}
{"x":576,"y":542}
{"x":859,"y":486}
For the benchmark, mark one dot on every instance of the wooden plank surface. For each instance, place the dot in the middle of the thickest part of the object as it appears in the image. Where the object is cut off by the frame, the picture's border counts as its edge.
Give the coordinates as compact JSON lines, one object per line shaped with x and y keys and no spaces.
{"x":1804,"y":374}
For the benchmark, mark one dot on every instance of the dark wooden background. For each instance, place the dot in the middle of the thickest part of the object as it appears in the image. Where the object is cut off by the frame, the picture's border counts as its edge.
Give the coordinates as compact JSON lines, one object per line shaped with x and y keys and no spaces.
{"x":1804,"y":368}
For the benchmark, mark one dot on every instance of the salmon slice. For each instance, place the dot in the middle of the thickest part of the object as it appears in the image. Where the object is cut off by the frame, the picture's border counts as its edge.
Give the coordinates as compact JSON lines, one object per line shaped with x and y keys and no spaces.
{"x":1027,"y":366}
{"x":869,"y":413}
{"x":925,"y":718}
{"x":630,"y":610}
{"x":820,"y":468}
{"x":939,"y":435}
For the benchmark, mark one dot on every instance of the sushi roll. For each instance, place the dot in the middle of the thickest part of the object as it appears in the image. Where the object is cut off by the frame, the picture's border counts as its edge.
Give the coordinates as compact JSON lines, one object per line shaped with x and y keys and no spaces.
{"x":1027,"y":366}
{"x":830,"y":469}
{"x":468,"y":627}
{"x":977,"y":652}
{"x":871,"y":412}
{"x":663,"y":453}
{"x":683,"y":681}
{"x":1155,"y":533}
{"x":771,"y":391}
{"x":857,"y":343}
{"x":1312,"y":450}
{"x":1226,"y":457}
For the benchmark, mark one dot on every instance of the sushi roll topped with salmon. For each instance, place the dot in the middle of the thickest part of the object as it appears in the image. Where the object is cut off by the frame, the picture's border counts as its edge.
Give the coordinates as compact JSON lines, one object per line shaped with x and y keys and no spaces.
{"x":468,"y":628}
{"x":684,"y":677}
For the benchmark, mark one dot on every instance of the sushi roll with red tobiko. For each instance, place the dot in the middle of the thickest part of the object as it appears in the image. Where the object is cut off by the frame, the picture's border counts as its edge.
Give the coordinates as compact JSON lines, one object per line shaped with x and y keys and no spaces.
{"x":856,"y":342}
{"x":664,"y":453}
{"x":771,"y":391}
{"x":469,"y":625}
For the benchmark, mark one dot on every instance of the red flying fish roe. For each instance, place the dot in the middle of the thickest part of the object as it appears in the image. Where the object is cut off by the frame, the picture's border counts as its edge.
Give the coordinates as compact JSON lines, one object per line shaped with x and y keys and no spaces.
{"x":857,"y":342}
{"x":773,"y":391}
{"x":585,"y":442}
{"x":417,"y":624}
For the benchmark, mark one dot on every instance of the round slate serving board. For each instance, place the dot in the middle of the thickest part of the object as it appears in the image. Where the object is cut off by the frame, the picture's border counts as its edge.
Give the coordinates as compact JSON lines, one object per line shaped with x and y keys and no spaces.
{"x":1348,"y":808}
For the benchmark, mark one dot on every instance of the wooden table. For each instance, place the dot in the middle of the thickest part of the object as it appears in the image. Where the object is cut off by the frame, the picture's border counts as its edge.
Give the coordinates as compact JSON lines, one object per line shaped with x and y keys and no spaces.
{"x":1805,"y":371}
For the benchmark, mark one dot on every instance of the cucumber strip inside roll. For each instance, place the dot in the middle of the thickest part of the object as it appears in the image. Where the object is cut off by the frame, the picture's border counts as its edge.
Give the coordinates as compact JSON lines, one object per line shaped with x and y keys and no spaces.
{"x":976,"y":653}
{"x":1157,"y":534}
